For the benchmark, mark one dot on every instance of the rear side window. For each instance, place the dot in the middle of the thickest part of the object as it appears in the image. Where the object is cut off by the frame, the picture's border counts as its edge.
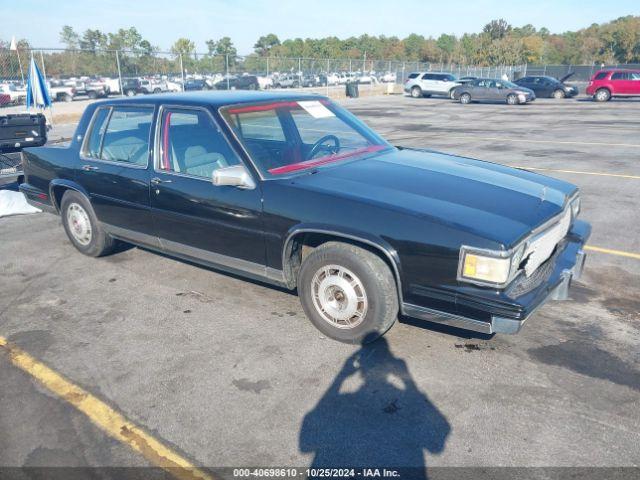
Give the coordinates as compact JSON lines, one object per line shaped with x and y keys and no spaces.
{"x":126,"y":139}
{"x":601,"y":75}
{"x":620,"y":76}
{"x":191,"y":144}
{"x":413,"y":75}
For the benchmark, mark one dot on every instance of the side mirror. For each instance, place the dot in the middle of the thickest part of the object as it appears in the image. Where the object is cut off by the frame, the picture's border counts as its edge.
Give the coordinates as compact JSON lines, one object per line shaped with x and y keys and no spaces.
{"x":234,"y":176}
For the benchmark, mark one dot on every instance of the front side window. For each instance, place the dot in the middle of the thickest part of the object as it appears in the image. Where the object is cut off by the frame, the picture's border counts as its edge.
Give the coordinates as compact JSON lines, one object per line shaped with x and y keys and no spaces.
{"x":286,"y":137}
{"x":120,"y":134}
{"x":191,"y":144}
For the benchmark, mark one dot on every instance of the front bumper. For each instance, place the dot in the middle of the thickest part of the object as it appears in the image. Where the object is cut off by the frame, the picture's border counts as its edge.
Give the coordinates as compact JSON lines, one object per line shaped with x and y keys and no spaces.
{"x":489,"y":311}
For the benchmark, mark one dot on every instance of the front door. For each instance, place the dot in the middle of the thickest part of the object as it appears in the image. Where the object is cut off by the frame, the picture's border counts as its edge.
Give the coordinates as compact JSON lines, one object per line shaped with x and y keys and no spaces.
{"x":113,"y":170}
{"x":220,"y":225}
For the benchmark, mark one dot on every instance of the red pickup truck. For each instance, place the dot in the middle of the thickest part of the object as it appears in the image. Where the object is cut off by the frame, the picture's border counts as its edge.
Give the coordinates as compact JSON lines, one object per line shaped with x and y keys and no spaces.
{"x":614,"y":82}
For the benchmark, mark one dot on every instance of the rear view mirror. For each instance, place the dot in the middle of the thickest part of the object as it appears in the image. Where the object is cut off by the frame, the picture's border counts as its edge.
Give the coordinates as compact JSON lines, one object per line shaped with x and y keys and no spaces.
{"x":234,"y":176}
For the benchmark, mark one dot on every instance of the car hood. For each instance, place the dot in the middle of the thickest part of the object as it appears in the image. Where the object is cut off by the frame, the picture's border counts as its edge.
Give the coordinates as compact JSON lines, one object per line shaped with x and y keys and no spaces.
{"x":567,"y":76}
{"x":498,"y":203}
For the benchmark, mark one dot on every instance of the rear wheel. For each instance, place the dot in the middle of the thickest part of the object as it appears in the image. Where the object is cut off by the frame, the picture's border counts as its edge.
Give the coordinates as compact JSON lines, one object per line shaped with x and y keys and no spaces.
{"x":558,"y":94}
{"x":82,"y":226}
{"x":512,"y":99}
{"x":602,"y":95}
{"x":465,"y":98}
{"x":416,"y":92}
{"x":348,"y":293}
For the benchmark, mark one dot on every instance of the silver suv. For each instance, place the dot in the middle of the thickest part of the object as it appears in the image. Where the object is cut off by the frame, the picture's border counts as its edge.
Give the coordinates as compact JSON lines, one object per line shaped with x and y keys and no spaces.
{"x":425,"y":84}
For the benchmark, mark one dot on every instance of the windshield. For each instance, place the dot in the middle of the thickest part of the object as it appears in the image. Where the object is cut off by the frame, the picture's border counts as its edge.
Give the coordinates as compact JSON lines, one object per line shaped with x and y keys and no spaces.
{"x":290,"y":136}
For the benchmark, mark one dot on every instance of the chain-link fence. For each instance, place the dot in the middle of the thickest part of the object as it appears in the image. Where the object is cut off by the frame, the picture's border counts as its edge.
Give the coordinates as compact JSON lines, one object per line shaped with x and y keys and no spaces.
{"x":103,"y":72}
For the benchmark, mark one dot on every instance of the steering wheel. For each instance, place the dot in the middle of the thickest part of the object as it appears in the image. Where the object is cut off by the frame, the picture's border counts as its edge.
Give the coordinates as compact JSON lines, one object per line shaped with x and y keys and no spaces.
{"x":319,"y":145}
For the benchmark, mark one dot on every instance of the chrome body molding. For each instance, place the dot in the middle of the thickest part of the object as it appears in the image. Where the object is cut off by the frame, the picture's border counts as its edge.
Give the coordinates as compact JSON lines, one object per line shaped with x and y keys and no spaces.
{"x":212,"y":259}
{"x":445,"y":318}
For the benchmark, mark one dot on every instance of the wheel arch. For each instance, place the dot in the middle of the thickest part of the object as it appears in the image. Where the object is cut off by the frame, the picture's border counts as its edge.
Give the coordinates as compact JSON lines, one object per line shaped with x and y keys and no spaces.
{"x":312,"y":236}
{"x":57,"y":187}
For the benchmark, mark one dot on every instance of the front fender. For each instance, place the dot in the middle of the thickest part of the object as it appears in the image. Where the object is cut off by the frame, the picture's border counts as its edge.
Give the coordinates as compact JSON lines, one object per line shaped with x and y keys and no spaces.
{"x":378,"y":243}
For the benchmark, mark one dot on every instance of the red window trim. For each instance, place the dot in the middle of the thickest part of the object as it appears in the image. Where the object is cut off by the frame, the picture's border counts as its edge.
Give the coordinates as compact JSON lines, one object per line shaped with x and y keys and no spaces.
{"x":294,"y":167}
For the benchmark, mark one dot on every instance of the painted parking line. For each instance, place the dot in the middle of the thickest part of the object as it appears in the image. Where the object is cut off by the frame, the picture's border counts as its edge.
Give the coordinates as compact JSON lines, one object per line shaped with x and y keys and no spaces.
{"x":610,"y":251}
{"x":578,"y":172}
{"x":106,"y":418}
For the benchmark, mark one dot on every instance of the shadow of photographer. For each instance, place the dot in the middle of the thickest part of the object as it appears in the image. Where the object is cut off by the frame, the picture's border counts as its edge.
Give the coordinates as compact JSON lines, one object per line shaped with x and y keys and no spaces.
{"x":374,"y":415}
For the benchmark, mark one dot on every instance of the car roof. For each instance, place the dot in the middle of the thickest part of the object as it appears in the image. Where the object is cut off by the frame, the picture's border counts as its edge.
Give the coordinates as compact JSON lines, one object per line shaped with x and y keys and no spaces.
{"x":215,"y":99}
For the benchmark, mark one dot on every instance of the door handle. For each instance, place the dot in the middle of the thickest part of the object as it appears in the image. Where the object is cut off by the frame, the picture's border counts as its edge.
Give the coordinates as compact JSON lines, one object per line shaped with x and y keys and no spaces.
{"x":158,"y":181}
{"x":89,"y":168}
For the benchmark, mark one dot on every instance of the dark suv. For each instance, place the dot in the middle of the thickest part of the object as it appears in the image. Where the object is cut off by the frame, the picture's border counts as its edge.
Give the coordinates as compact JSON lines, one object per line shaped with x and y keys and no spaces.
{"x":544,"y":86}
{"x":244,"y":82}
{"x":131,"y":87}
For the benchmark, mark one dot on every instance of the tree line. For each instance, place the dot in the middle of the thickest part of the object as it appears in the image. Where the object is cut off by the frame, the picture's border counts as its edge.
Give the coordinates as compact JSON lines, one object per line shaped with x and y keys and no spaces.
{"x":498,"y":43}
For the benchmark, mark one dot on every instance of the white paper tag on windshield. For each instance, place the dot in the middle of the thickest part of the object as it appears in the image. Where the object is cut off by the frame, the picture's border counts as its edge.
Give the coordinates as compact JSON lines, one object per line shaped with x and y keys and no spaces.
{"x":316,"y":109}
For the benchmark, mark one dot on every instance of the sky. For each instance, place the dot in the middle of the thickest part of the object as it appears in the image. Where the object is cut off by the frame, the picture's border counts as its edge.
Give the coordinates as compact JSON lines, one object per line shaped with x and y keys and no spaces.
{"x":162,"y":22}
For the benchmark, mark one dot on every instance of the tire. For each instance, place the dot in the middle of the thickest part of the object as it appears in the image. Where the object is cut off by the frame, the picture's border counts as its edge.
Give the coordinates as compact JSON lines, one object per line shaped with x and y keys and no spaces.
{"x":92,"y":95}
{"x":157,"y":90}
{"x":602,"y":95}
{"x":465,"y":98}
{"x":512,"y":99}
{"x":82,"y":226}
{"x":558,"y":94}
{"x":130,"y":93}
{"x":416,"y":92}
{"x":364,"y":276}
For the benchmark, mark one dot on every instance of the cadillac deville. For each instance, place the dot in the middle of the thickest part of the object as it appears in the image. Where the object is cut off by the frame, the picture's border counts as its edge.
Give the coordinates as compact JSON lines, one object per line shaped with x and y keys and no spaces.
{"x":295,"y":191}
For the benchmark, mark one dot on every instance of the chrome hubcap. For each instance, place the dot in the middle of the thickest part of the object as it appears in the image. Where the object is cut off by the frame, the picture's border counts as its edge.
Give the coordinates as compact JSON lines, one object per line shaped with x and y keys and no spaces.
{"x":339,"y":296}
{"x":79,"y":224}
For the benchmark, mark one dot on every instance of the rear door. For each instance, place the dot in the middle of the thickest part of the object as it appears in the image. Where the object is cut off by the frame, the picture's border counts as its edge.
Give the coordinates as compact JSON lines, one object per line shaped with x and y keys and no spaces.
{"x":621,"y":83}
{"x":193,"y":217}
{"x":113,"y":169}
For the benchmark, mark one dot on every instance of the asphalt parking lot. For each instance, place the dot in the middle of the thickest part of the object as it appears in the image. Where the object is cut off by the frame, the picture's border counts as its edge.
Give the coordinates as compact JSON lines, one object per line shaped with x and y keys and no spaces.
{"x":230,"y":373}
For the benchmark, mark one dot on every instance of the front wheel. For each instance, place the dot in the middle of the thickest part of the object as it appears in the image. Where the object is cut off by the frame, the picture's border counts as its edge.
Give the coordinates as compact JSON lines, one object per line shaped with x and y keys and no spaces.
{"x":512,"y":99}
{"x":416,"y":92}
{"x":558,"y":94}
{"x":82,"y":226}
{"x":348,"y":293}
{"x":465,"y":98}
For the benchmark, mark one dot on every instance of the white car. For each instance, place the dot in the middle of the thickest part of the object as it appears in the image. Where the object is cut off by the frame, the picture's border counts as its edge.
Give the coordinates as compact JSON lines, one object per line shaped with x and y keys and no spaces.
{"x":265,"y":82}
{"x":425,"y":84}
{"x":389,"y":77}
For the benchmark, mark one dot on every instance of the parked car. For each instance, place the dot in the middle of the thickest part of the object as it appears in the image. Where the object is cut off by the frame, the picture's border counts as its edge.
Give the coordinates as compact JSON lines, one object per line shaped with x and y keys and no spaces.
{"x":196,"y":84}
{"x":365,"y":231}
{"x":426,"y":84}
{"x":389,"y":77}
{"x":309,"y":81}
{"x":131,"y":87}
{"x":153,"y":86}
{"x":244,"y":82}
{"x":5,"y":99}
{"x":492,"y":91}
{"x":16,"y":95}
{"x":89,"y":88}
{"x":614,"y":82}
{"x":60,"y":92}
{"x":544,"y":86}
{"x":265,"y":82}
{"x":287,"y":81}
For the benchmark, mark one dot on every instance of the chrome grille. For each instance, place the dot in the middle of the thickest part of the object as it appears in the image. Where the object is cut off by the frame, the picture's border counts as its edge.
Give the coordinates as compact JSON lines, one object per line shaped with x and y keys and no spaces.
{"x":540,"y":248}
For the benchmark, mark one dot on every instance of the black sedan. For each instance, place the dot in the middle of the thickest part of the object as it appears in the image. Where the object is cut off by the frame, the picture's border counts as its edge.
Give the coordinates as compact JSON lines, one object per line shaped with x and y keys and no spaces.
{"x":490,"y":90}
{"x":295,"y":191}
{"x":548,"y":86}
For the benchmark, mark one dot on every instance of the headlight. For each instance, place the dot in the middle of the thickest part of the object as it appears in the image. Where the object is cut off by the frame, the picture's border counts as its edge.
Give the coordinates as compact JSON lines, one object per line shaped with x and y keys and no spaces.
{"x":494,"y":270}
{"x":575,"y":206}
